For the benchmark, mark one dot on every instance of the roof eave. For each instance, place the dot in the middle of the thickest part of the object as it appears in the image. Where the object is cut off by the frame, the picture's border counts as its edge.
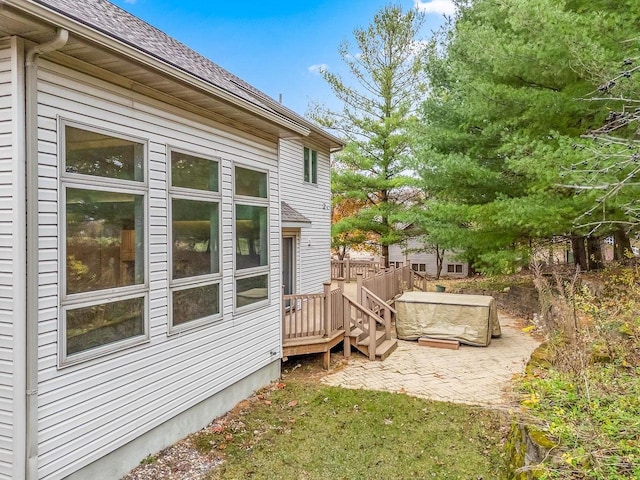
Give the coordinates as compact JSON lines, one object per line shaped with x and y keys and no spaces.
{"x":89,"y":33}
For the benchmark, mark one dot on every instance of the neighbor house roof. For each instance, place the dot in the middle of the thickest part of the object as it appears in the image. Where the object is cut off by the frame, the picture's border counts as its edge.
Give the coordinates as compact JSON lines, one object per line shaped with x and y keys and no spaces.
{"x":114,"y":22}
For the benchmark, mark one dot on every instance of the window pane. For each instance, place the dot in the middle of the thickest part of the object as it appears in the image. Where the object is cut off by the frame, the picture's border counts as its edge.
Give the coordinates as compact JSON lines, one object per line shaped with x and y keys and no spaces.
{"x":92,"y":153}
{"x":306,"y":164}
{"x":98,"y":325}
{"x":105,"y":240}
{"x":195,"y":238}
{"x":251,"y":290}
{"x":251,"y":236}
{"x":314,"y":166}
{"x":251,"y":183}
{"x":194,"y":303}
{"x":192,"y":172}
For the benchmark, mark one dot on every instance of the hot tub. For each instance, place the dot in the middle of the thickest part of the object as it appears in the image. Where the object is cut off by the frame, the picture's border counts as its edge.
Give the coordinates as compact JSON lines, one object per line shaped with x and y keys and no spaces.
{"x":470,"y":319}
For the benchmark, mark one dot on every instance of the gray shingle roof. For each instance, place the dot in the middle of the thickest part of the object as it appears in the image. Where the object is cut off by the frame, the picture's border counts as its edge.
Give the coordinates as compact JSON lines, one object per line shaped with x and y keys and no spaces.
{"x":291,"y":215}
{"x":115,"y":22}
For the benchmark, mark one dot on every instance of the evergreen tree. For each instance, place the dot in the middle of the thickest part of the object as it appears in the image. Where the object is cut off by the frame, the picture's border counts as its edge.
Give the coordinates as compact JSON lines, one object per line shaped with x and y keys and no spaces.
{"x":504,"y":116}
{"x":379,"y":102}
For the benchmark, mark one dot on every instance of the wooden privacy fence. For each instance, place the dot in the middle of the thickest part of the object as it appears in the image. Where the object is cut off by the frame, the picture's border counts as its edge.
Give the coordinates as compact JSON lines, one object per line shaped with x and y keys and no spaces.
{"x":349,"y":269}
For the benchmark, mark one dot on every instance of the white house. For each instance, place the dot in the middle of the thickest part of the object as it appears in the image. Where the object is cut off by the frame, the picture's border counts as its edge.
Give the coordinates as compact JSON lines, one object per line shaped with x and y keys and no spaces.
{"x":423,"y":258}
{"x":150,"y":204}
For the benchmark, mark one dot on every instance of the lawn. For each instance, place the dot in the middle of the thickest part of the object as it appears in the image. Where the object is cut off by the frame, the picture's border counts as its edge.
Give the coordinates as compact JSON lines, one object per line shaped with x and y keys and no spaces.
{"x":301,"y":430}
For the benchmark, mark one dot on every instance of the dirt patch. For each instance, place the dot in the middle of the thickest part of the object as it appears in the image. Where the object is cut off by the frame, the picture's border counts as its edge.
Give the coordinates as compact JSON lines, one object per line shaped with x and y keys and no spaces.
{"x":309,"y":369}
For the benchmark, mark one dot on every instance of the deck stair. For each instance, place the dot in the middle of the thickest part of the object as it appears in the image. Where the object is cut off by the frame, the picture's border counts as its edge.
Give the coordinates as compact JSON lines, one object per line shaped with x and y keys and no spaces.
{"x":370,"y":322}
{"x":383,"y":349}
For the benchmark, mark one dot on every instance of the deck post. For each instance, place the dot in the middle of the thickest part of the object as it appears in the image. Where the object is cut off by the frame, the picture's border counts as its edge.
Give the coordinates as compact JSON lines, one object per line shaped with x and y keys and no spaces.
{"x":327,"y":308}
{"x":284,"y":315}
{"x":347,"y":269}
{"x":341,"y":284}
{"x":372,"y":338}
{"x":359,"y":276}
{"x":347,"y":326}
{"x":387,"y":324}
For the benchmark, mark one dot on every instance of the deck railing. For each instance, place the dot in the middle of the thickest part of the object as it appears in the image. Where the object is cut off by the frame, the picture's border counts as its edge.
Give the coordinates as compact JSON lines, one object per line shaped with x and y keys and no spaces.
{"x":390,"y":283}
{"x":380,"y":307}
{"x":312,"y":314}
{"x":349,"y":269}
{"x":360,"y":317}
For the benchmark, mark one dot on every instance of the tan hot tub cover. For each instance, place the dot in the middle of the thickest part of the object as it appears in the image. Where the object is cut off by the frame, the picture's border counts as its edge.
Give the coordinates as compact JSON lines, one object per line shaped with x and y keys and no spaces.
{"x":470,"y":319}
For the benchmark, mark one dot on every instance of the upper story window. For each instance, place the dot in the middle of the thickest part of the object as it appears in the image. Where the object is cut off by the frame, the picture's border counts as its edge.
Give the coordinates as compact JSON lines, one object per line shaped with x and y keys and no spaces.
{"x":310,"y":165}
{"x":251,"y":226}
{"x":103,"y":206}
{"x":195,"y":240}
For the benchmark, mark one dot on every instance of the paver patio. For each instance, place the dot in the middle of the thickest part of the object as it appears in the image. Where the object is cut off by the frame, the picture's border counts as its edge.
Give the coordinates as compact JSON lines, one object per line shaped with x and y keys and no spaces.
{"x":471,"y":375}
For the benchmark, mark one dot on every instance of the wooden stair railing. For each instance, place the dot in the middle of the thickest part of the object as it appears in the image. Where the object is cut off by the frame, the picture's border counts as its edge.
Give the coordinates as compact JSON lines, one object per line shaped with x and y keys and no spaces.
{"x":363,"y":332}
{"x":375,"y":304}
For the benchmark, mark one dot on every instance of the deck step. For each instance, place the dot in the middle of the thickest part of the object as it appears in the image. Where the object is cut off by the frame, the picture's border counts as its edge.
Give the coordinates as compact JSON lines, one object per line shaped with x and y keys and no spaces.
{"x":386,"y":348}
{"x":365,"y":342}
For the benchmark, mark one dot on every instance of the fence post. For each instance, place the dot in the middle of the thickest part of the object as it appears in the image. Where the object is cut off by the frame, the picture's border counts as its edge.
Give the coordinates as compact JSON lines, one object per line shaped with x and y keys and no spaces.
{"x":341,"y":284}
{"x":347,"y":267}
{"x":359,"y":276}
{"x":327,"y":308}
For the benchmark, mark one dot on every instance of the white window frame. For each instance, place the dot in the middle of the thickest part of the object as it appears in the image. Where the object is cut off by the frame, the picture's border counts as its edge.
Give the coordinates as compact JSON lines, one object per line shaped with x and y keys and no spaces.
{"x":183,"y":193}
{"x":308,"y":164}
{"x":418,"y":265}
{"x":110,"y":295}
{"x":254,"y":271}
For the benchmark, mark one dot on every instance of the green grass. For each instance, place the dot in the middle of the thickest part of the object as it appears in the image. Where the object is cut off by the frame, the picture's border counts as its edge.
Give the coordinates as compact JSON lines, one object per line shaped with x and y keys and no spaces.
{"x":304,"y":431}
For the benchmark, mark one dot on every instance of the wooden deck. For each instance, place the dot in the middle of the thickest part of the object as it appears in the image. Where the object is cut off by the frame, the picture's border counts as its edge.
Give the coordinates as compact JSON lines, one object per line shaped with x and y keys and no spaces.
{"x":348,"y":313}
{"x":313,"y":344}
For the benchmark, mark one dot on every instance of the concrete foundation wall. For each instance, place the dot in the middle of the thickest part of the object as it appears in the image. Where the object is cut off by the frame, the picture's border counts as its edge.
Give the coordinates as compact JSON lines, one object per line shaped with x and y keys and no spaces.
{"x":125,"y":458}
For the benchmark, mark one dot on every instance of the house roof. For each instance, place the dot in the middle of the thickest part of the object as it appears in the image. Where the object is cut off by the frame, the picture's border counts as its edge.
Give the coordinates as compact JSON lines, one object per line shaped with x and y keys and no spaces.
{"x":115,"y":23}
{"x":291,"y":217}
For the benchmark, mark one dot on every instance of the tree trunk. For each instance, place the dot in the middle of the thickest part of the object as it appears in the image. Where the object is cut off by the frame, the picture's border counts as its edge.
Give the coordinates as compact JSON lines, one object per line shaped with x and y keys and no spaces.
{"x":439,"y":261}
{"x":385,"y":255}
{"x":594,"y":253}
{"x":622,"y":246}
{"x":579,"y":253}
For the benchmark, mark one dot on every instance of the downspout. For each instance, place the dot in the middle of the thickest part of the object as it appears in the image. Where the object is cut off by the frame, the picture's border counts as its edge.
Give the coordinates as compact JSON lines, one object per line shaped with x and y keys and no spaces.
{"x":31,"y":156}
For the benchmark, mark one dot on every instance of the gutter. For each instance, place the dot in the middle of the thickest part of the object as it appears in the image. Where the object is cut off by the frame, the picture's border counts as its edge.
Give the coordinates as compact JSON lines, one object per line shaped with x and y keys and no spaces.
{"x":104,"y":39}
{"x":31,"y":156}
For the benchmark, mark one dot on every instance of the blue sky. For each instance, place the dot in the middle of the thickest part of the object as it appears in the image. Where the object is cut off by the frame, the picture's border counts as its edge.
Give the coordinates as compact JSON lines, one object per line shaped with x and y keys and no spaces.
{"x":278,"y":45}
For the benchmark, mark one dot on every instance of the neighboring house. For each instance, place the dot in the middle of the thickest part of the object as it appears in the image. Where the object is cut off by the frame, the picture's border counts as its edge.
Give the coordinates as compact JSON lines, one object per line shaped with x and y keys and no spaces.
{"x":145,"y":195}
{"x":422,"y":258}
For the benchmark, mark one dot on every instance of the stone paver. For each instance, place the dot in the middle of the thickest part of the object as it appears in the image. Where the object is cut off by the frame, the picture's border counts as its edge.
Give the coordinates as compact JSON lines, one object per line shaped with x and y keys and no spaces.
{"x":471,"y":375}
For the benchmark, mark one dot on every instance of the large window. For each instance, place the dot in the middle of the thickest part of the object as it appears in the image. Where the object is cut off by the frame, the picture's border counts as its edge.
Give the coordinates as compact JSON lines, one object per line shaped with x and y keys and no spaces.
{"x":310,"y":165}
{"x":251,"y":226}
{"x":195,"y":240}
{"x":103,"y":198}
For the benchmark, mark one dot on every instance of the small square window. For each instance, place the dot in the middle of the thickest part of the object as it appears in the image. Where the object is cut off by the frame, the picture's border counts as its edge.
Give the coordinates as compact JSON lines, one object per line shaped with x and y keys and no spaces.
{"x":250,"y":183}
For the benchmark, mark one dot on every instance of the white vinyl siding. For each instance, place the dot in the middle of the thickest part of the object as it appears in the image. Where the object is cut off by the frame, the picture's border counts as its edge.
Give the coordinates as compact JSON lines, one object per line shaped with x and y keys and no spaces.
{"x":89,"y":409}
{"x":398,"y":253}
{"x":312,"y":201}
{"x":8,"y":259}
